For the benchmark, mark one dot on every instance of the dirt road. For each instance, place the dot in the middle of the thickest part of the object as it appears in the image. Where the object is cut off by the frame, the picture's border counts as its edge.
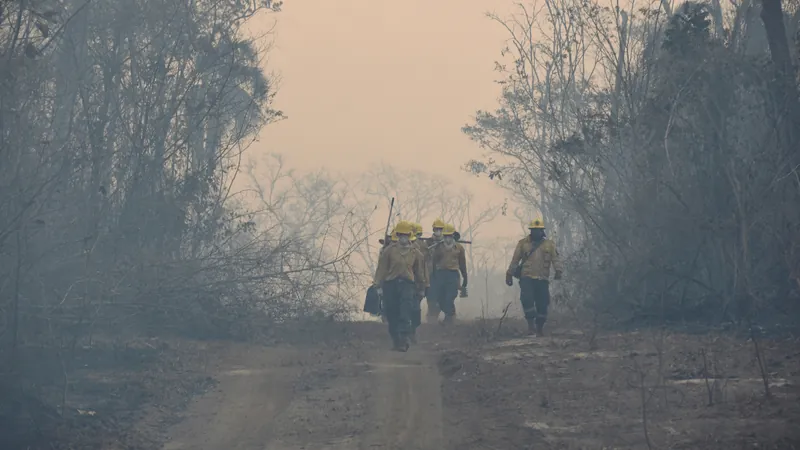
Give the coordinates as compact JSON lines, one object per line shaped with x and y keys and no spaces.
{"x":480,"y":385}
{"x":470,"y":387}
{"x":361,"y":397}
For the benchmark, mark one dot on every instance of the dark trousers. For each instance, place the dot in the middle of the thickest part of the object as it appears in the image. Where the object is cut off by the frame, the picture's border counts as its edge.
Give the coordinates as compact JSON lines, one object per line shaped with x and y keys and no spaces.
{"x":398,"y":304}
{"x":535,"y":298}
{"x":433,"y":304}
{"x":443,"y":292}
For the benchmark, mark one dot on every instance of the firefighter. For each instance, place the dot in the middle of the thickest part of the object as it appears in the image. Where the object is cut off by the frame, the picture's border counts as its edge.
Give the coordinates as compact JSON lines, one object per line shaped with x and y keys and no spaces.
{"x":437,"y":228}
{"x":416,"y":317}
{"x":388,"y":240}
{"x":436,"y":238}
{"x":531,"y":264}
{"x":400,"y":278}
{"x":449,"y":258}
{"x":418,"y":230}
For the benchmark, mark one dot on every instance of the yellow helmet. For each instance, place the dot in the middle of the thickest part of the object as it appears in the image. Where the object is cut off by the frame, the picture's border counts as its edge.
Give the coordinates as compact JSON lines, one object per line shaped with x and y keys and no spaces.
{"x":438,"y":223}
{"x":537,"y":223}
{"x":417,"y":228}
{"x":394,"y":236}
{"x":404,"y":227}
{"x":449,"y":230}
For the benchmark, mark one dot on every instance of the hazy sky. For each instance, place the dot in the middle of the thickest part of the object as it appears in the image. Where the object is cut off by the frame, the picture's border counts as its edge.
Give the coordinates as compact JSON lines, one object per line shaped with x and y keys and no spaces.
{"x":365,"y":81}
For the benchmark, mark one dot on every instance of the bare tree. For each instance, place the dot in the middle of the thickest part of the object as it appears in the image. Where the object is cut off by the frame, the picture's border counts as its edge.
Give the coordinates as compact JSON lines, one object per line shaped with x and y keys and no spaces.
{"x":319,"y":216}
{"x":122,"y":128}
{"x":651,"y":140}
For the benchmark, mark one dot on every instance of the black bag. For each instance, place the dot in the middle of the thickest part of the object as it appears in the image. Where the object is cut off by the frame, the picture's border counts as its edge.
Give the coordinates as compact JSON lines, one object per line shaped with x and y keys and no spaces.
{"x":518,"y":270}
{"x":372,"y":304}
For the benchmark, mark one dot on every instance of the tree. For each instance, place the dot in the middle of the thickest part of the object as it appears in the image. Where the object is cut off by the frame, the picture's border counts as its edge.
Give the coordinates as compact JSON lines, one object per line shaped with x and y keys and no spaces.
{"x":122,"y":126}
{"x":314,"y":216}
{"x":653,"y":141}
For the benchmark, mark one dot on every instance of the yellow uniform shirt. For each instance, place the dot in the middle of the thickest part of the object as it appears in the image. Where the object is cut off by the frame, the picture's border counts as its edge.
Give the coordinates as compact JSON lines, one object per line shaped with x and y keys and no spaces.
{"x":400,"y":261}
{"x":422,"y":246}
{"x":537,"y":266}
{"x":453,"y":258}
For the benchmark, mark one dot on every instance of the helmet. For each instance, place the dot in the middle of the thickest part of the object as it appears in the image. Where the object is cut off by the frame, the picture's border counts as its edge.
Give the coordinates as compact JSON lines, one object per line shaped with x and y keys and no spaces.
{"x":448,"y":230}
{"x":536,"y":224}
{"x":404,"y":227}
{"x":394,"y":236}
{"x":417,"y":228}
{"x":438,"y":223}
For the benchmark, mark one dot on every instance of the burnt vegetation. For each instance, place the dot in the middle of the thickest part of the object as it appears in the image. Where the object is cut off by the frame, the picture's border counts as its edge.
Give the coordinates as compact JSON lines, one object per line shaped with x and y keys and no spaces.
{"x":122,"y":127}
{"x":663,"y":147}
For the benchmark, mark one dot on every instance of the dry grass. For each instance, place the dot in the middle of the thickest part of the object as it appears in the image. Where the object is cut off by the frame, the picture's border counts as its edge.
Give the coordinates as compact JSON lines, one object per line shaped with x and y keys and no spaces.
{"x":698,"y":391}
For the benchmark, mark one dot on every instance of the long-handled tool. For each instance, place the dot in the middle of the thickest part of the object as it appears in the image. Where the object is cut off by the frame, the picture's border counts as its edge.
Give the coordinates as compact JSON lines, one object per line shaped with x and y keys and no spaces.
{"x":456,"y":235}
{"x":389,"y":220}
{"x":383,"y":240}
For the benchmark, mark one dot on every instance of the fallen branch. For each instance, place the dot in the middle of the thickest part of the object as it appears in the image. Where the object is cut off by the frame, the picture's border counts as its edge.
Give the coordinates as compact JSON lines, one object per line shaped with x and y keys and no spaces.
{"x":762,"y":365}
{"x":505,"y":313}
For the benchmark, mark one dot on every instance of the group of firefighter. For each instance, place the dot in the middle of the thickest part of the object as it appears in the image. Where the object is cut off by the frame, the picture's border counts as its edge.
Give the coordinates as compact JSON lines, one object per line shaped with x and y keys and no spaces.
{"x":412,"y":267}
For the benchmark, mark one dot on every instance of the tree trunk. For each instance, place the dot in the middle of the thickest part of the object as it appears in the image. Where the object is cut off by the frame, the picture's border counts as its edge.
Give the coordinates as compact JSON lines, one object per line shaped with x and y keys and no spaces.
{"x":785,"y":86}
{"x":716,"y":13}
{"x":71,"y":63}
{"x":623,"y":33}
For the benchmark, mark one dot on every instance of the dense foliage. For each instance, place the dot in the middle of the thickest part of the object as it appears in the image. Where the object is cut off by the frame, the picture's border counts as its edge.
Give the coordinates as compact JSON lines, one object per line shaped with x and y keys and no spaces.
{"x":663,"y":148}
{"x":122,"y":127}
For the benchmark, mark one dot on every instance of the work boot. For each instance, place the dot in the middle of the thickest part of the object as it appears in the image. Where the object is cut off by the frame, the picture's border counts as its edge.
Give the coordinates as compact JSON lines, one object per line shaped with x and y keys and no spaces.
{"x":400,"y":345}
{"x":448,"y":320}
{"x":531,"y":327}
{"x":540,"y":326}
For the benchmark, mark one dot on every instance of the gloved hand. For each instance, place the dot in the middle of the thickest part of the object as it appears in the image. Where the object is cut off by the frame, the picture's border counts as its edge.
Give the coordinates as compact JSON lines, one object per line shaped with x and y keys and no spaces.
{"x":557,"y":275}
{"x":509,"y":280}
{"x":463,"y":292}
{"x":379,"y":291}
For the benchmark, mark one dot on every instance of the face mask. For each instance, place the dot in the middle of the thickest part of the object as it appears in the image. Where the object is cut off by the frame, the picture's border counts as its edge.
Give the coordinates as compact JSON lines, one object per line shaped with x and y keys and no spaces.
{"x":404,"y":240}
{"x":537,"y":235}
{"x":437,"y":233}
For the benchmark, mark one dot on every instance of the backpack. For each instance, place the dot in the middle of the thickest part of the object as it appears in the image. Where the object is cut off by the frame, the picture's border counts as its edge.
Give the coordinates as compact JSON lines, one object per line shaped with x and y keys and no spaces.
{"x":372,"y":302}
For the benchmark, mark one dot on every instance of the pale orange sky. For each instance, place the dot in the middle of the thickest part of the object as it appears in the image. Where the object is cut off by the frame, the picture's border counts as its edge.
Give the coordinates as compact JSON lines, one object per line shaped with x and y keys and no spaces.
{"x":365,"y":81}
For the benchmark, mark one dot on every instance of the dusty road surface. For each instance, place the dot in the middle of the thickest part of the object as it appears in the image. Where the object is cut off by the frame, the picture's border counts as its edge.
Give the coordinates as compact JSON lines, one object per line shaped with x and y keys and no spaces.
{"x":474,"y":387}
{"x":358,"y":396}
